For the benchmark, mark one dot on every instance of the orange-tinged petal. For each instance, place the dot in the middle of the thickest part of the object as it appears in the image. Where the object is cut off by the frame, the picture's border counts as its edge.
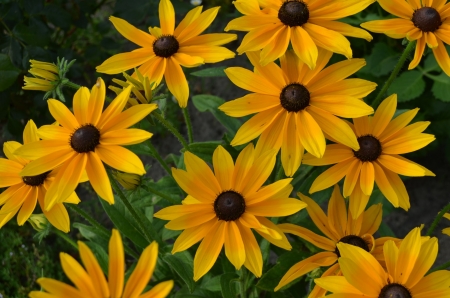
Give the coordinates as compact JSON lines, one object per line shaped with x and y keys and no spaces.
{"x":128,"y":136}
{"x":397,"y":7}
{"x":99,"y":178}
{"x":47,"y":163}
{"x":188,"y":184}
{"x":120,"y":158}
{"x":291,"y":147}
{"x":271,"y":71}
{"x":352,"y":177}
{"x":420,"y":48}
{"x":414,"y":34}
{"x":427,"y":256}
{"x":310,"y":134}
{"x":223,"y":167}
{"x":442,"y":58}
{"x":202,"y":54}
{"x":271,"y":138}
{"x":276,"y":207}
{"x":334,"y":153}
{"x":401,"y":166}
{"x":408,"y":253}
{"x":191,"y":220}
{"x":260,"y":37}
{"x":189,"y":60}
{"x":353,"y":87}
{"x":173,"y":212}
{"x":234,"y":245}
{"x":337,"y":211}
{"x":280,"y":242}
{"x":76,"y":273}
{"x":278,"y":189}
{"x":342,"y":105}
{"x":329,"y":39}
{"x":397,"y":124}
{"x":142,"y":272}
{"x":343,"y":28}
{"x":367,"y":178}
{"x":211,"y":39}
{"x":243,"y":164}
{"x":93,"y":269}
{"x":253,"y":256}
{"x":132,"y":33}
{"x":340,"y":286}
{"x":360,"y":279}
{"x":390,"y":251}
{"x":209,"y":250}
{"x":407,"y":144}
{"x":358,"y":201}
{"x":258,"y":173}
{"x":57,"y":215}
{"x":255,"y":126}
{"x":306,"y":74}
{"x":394,"y":28}
{"x":334,"y":127}
{"x":9,"y":149}
{"x":250,"y":81}
{"x":371,"y":219}
{"x":176,"y":82}
{"x":62,"y":114}
{"x":28,"y":206}
{"x":331,"y":176}
{"x":337,"y":10}
{"x":196,"y":167}
{"x":249,"y":104}
{"x":305,"y":266}
{"x":383,"y":115}
{"x":279,"y":45}
{"x":161,"y":290}
{"x":59,"y":289}
{"x":36,"y":150}
{"x":9,"y":192}
{"x":304,"y":46}
{"x":116,"y":268}
{"x":435,"y":280}
{"x":192,"y":235}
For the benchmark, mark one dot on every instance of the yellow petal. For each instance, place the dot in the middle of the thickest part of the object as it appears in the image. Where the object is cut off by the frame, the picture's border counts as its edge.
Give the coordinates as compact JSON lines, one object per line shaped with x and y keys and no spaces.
{"x":99,"y":178}
{"x":310,"y":134}
{"x":304,"y":46}
{"x":125,"y":61}
{"x":367,"y":178}
{"x":383,"y":115}
{"x":234,"y":245}
{"x":331,"y":176}
{"x":407,"y":255}
{"x":94,"y":270}
{"x":131,"y":33}
{"x":397,"y":7}
{"x":76,"y":273}
{"x":198,"y":25}
{"x":125,"y":137}
{"x":291,"y":147}
{"x":196,"y":167}
{"x":401,"y":166}
{"x":59,"y":289}
{"x":161,"y":290}
{"x":342,"y":106}
{"x":329,"y":39}
{"x":253,"y":256}
{"x":166,"y":17}
{"x":120,"y":158}
{"x":28,"y":206}
{"x":176,"y":82}
{"x":116,"y":268}
{"x":192,"y":235}
{"x":188,"y":184}
{"x":427,"y":256}
{"x":62,"y":114}
{"x":129,"y":117}
{"x":223,"y":167}
{"x":442,"y":58}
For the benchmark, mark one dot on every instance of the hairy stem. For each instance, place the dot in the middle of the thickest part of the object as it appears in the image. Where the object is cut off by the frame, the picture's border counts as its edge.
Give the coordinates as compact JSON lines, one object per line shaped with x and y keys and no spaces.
{"x":437,"y":219}
{"x":172,"y":129}
{"x":187,"y":119}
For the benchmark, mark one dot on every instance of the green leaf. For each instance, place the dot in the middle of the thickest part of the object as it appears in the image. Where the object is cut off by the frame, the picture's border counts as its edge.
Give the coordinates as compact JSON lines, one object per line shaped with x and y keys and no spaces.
{"x":210,"y":72}
{"x":206,"y":102}
{"x":272,"y":277}
{"x":430,"y":64}
{"x":36,"y":33}
{"x":408,"y":85}
{"x":441,"y":87}
{"x":212,"y":284}
{"x":380,"y":61}
{"x":204,"y":150}
{"x":181,"y":264}
{"x":227,"y":282}
{"x":8,"y":72}
{"x":124,"y":222}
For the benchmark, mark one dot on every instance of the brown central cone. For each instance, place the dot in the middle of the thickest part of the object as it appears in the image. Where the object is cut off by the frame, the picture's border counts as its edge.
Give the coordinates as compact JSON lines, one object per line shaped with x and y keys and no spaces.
{"x":85,"y":138}
{"x":394,"y":291}
{"x":369,"y":148}
{"x":229,"y":205}
{"x":35,"y":180}
{"x":294,"y":97}
{"x":293,"y":13}
{"x":165,"y":46}
{"x":427,"y":19}
{"x":353,"y":240}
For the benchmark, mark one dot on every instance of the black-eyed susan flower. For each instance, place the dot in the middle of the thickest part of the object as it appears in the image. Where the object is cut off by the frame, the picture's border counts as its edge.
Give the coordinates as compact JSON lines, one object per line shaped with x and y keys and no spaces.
{"x":166,"y":49}
{"x":404,"y":278}
{"x":338,"y":227}
{"x":381,"y":139}
{"x":222,"y":208}
{"x":83,"y":140}
{"x":306,"y":24}
{"x":91,"y":282}
{"x":446,"y":230}
{"x":24,"y":192}
{"x":427,"y":22}
{"x":297,"y":107}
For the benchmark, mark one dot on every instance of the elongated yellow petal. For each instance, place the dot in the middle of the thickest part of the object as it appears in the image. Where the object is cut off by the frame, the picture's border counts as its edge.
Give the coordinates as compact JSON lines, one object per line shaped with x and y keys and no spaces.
{"x":120,"y":158}
{"x":28,"y":206}
{"x":116,"y":268}
{"x":234,"y":245}
{"x":59,"y":289}
{"x":76,"y":273}
{"x":310,"y":134}
{"x":329,"y":39}
{"x":331,"y":176}
{"x":253,"y":256}
{"x":223,"y":167}
{"x":291,"y":147}
{"x":407,"y":255}
{"x":304,"y":46}
{"x":94,"y":270}
{"x":99,"y":178}
{"x":129,"y":117}
{"x":62,"y":114}
{"x":161,"y":290}
{"x":427,"y":256}
{"x":132,"y":33}
{"x":198,"y":25}
{"x":193,"y":235}
{"x":397,"y":7}
{"x":176,"y":82}
{"x":125,"y":61}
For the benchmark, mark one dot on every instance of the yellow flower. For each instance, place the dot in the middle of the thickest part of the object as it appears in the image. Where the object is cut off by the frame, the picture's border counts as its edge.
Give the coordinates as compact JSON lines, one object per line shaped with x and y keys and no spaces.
{"x":166,"y":48}
{"x":84,"y":140}
{"x":406,"y":267}
{"x":24,"y":192}
{"x":427,"y":23}
{"x":295,"y":106}
{"x":91,"y":282}
{"x":306,"y":24}
{"x":45,"y":76}
{"x":381,"y":139}
{"x":222,"y":207}
{"x":127,"y":180}
{"x":141,"y":88}
{"x":446,"y":230}
{"x":338,"y":227}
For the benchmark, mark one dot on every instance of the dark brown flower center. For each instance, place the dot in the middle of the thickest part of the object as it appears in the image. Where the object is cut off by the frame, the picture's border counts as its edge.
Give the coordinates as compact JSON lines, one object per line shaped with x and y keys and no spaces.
{"x":229,"y":205}
{"x":427,"y":19}
{"x":394,"y":291}
{"x":85,"y":138}
{"x":165,"y":46}
{"x":293,"y":13}
{"x":35,"y":180}
{"x":369,"y":148}
{"x":353,"y":240}
{"x":294,"y":97}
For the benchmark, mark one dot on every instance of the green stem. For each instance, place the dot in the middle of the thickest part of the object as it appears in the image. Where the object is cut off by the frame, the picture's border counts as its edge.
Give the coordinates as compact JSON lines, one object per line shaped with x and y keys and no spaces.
{"x":66,"y":238}
{"x":394,"y":73}
{"x":242,"y":283}
{"x":72,"y":85}
{"x":442,"y":267}
{"x":105,"y":233}
{"x":172,"y":129}
{"x":138,"y":217}
{"x":280,"y":174}
{"x":437,"y":219}
{"x":187,"y":119}
{"x":159,"y":158}
{"x":162,"y":195}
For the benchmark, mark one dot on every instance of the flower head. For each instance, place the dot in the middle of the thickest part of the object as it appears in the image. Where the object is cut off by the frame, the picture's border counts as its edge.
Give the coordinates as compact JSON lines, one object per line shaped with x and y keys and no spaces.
{"x":427,"y":22}
{"x":306,"y":24}
{"x":406,"y":266}
{"x":296,"y":107}
{"x":166,"y":49}
{"x":338,"y":227}
{"x":222,"y":207}
{"x":48,"y":77}
{"x":91,"y":282}
{"x":381,"y":139}
{"x":25,"y":191}
{"x":84,"y":139}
